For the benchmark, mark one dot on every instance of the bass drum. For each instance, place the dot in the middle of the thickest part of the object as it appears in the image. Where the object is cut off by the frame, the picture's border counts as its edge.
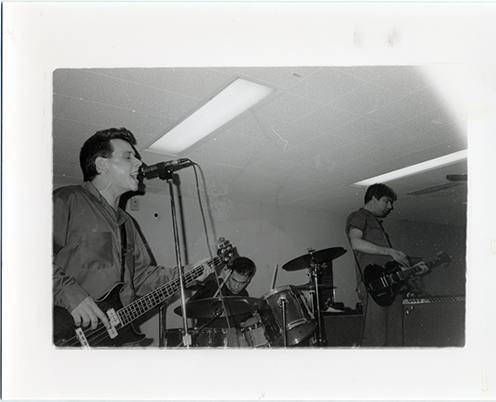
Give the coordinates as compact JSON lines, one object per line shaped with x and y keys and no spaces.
{"x":219,"y":338}
{"x":300,"y":322}
{"x":206,"y":338}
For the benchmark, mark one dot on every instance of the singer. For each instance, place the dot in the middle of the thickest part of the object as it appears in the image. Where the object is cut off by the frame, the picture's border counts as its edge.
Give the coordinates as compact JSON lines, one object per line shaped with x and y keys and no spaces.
{"x":96,"y":246}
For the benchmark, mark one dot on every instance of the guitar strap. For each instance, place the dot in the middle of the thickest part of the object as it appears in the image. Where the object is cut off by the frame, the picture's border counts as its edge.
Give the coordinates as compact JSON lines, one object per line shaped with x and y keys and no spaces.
{"x":386,"y":238}
{"x":123,"y":249}
{"x":357,"y":263}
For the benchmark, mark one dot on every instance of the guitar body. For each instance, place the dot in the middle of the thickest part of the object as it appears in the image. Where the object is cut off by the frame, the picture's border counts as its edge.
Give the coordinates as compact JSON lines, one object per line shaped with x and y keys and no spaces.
{"x":64,"y":333}
{"x":375,"y":276}
{"x":384,"y":283}
{"x":122,"y":333}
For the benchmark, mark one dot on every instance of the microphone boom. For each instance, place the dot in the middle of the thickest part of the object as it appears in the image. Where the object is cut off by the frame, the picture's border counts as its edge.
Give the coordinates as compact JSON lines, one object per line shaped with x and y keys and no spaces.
{"x":162,"y":168}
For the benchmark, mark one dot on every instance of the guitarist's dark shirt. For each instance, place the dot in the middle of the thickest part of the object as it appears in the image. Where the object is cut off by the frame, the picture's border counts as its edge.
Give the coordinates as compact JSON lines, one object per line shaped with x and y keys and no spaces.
{"x":373,"y":232}
{"x":87,"y":250}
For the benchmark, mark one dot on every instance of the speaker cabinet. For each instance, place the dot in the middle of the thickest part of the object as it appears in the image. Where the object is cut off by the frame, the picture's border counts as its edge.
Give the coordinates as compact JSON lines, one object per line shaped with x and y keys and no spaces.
{"x":438,"y":321}
{"x":343,"y":330}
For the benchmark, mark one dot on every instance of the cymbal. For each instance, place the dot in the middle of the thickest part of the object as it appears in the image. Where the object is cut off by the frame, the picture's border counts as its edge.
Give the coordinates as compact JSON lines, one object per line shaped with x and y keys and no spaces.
{"x":318,"y":257}
{"x":235,"y":305}
{"x":311,"y":286}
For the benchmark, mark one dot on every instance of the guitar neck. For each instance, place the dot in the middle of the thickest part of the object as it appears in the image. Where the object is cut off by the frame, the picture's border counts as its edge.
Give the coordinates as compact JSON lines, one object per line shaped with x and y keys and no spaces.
{"x":151,"y":300}
{"x":409,"y":272}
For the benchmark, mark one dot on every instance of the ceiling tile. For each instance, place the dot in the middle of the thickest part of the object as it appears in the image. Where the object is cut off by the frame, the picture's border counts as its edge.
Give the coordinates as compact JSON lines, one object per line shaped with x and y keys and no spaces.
{"x":429,"y":121}
{"x":365,"y":99}
{"x":398,"y":111}
{"x":326,"y":119}
{"x":196,"y":83}
{"x":327,"y":85}
{"x":284,"y":77}
{"x":359,"y":128}
{"x":288,"y":108}
{"x":106,"y":115}
{"x":367,"y":73}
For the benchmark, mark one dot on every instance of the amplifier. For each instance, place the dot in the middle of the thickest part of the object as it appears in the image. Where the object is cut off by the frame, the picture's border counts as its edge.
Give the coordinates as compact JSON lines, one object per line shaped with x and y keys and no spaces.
{"x":434,"y":321}
{"x":438,"y":299}
{"x":343,"y":330}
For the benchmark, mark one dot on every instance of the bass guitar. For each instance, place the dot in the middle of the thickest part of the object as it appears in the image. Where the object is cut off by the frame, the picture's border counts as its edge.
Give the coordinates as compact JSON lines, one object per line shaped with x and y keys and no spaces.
{"x":384,"y":283}
{"x":122,"y":332}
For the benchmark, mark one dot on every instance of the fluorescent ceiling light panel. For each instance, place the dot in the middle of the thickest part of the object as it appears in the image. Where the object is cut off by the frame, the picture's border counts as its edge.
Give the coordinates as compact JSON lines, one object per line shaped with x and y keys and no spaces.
{"x":222,"y":108}
{"x":415,"y":169}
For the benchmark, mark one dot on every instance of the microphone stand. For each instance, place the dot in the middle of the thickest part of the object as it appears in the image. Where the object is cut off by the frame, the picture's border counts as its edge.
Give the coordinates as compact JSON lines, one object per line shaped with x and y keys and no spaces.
{"x":169,"y":176}
{"x":217,"y":314}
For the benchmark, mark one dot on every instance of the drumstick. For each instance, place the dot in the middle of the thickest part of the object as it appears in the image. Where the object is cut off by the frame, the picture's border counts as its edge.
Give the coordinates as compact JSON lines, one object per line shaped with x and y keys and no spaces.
{"x":223,"y":283}
{"x":274,"y":277}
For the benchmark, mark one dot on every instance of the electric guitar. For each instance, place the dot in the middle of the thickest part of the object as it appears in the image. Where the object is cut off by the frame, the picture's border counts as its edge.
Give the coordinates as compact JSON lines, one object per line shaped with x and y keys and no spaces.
{"x":384,"y":283}
{"x":122,"y":333}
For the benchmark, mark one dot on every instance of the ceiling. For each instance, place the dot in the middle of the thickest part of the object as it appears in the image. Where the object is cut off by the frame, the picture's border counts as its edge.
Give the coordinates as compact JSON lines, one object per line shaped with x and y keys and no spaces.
{"x":323,"y":129}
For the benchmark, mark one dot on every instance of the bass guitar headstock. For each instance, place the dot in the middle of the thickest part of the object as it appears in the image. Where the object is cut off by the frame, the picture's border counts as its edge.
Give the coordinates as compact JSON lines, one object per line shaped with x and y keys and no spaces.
{"x":225,"y":251}
{"x":443,"y":258}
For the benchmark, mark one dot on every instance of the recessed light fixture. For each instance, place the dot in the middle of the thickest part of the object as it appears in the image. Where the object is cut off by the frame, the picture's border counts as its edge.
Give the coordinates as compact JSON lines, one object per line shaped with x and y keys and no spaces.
{"x":236,"y":98}
{"x":415,"y":169}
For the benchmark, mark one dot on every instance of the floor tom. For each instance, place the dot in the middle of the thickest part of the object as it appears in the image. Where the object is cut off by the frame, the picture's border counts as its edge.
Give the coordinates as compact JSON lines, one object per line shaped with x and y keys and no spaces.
{"x":300,"y":322}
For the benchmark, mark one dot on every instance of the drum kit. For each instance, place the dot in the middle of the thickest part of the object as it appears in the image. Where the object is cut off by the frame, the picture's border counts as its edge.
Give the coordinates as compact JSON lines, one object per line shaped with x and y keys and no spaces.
{"x":281,"y":318}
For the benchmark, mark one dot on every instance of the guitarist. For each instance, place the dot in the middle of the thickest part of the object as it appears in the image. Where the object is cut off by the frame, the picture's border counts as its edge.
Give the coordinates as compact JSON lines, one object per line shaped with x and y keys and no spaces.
{"x":383,"y":326}
{"x":95,"y":243}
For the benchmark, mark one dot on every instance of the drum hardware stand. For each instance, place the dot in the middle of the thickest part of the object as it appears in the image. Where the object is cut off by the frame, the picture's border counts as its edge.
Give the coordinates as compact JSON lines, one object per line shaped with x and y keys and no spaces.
{"x":221,"y":297}
{"x":162,"y":314}
{"x":315,"y":269}
{"x":274,"y":277}
{"x":282,"y":304}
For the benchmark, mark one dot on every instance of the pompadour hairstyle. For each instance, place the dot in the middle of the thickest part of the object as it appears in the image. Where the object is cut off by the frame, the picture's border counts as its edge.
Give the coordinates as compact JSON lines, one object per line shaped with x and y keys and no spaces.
{"x":99,"y":145}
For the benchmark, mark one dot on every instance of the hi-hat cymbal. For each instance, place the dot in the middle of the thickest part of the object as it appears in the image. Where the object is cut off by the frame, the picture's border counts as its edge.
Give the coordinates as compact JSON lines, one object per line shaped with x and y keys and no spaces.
{"x":208,"y":308}
{"x":311,"y":286}
{"x":317,"y":257}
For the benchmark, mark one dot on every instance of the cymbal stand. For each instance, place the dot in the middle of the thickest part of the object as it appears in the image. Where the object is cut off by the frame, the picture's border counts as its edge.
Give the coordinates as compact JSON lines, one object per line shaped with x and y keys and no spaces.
{"x":315,"y":272}
{"x":282,"y":304}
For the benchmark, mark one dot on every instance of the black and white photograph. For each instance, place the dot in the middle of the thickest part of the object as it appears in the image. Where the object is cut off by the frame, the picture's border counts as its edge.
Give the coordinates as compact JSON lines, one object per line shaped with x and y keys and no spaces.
{"x":283,"y":153}
{"x":294,"y":193}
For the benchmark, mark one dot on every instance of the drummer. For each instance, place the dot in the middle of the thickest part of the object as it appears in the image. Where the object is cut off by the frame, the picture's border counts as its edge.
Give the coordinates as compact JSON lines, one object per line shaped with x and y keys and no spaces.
{"x":232,"y":281}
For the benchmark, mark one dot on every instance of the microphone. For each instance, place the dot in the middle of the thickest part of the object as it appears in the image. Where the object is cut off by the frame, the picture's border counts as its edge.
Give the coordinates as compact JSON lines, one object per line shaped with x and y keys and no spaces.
{"x":159,"y":169}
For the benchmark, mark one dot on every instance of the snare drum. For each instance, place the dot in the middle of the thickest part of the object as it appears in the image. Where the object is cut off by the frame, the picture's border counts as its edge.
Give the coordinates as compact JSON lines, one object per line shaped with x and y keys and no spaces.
{"x":300,"y":322}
